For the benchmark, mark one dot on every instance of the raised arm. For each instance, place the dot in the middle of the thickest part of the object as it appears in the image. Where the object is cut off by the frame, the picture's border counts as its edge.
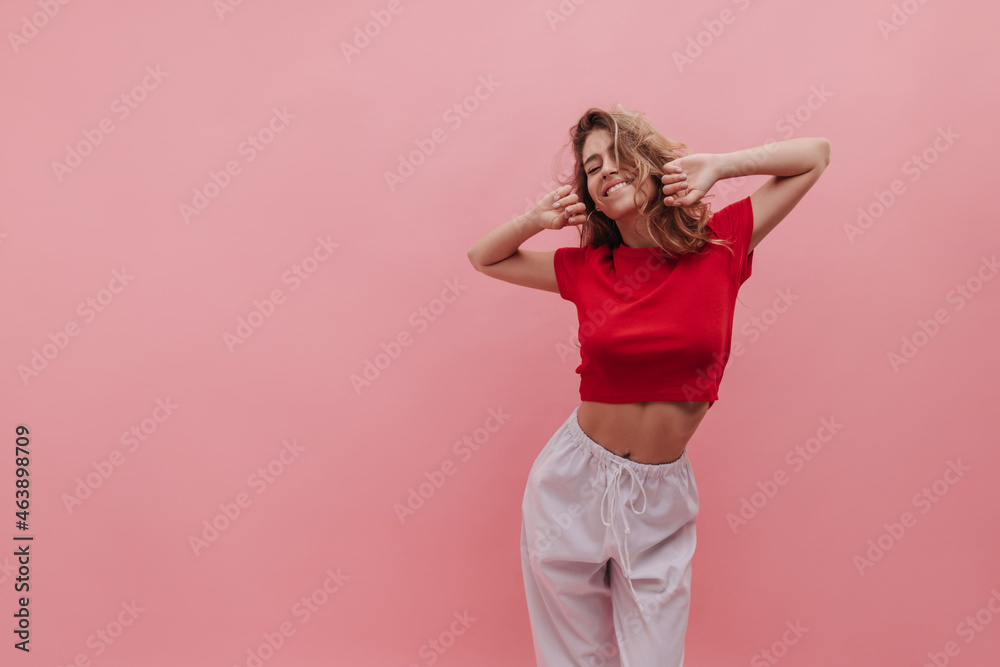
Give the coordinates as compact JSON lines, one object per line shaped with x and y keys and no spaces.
{"x":795,"y":164}
{"x":498,"y":254}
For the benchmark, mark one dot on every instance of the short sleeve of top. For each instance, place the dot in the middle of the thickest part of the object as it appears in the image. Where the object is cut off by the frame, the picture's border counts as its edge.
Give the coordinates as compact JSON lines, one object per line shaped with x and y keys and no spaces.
{"x":568,"y":263}
{"x":735,"y":222}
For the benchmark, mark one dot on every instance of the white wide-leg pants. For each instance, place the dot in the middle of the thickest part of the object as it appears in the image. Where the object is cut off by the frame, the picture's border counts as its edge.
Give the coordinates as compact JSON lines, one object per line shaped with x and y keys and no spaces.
{"x":606,"y":549}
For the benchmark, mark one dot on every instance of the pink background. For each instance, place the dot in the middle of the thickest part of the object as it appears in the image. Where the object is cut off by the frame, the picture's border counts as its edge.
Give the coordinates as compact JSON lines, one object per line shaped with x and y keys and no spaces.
{"x":485,"y":345}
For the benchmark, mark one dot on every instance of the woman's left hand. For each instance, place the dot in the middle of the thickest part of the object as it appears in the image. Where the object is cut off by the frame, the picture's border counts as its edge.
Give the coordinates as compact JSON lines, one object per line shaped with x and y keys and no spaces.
{"x":689,"y":178}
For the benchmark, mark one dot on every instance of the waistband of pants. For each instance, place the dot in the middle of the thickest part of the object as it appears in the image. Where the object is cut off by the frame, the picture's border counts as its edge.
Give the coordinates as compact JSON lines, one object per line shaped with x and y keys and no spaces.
{"x":609,"y":458}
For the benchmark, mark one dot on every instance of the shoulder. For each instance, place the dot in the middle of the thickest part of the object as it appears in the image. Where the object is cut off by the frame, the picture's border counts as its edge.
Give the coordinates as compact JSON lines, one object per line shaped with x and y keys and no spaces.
{"x":576,"y":260}
{"x":726,"y":222}
{"x":570,"y":265}
{"x":579,"y":254}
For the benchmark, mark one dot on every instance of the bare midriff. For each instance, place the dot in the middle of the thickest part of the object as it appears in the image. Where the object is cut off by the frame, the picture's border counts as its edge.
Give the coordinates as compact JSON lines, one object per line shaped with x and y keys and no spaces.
{"x":652,"y":432}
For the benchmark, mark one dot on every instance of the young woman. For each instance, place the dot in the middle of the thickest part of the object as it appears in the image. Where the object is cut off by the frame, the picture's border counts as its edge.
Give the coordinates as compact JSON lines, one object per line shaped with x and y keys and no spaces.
{"x":609,"y":511}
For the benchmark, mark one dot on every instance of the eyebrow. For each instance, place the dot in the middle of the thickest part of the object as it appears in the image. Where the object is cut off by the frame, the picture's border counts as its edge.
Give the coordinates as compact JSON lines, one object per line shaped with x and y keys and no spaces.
{"x":594,"y":156}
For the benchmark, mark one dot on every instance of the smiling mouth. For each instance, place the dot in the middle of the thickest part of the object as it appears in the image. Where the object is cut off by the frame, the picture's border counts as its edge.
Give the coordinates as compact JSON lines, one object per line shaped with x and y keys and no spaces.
{"x":616,"y":188}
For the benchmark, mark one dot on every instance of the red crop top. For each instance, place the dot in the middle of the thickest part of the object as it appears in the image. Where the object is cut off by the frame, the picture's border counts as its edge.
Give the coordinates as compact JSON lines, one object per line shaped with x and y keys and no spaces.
{"x":655,"y":328}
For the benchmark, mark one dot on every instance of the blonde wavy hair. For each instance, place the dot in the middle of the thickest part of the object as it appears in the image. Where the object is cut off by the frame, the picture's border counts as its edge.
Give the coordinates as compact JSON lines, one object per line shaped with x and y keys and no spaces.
{"x":639,"y":148}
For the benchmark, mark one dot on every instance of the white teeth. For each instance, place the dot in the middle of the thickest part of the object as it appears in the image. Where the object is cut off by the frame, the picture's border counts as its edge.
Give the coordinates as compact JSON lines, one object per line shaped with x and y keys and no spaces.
{"x":616,"y":187}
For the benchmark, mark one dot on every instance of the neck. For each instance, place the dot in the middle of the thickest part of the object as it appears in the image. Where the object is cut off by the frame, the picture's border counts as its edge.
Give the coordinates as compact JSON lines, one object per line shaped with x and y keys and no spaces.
{"x":628,"y":228}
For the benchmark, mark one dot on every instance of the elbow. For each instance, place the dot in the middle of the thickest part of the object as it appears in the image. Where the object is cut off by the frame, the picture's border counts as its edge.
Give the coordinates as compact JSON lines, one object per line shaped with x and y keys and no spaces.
{"x":824,"y":152}
{"x":472,"y":259}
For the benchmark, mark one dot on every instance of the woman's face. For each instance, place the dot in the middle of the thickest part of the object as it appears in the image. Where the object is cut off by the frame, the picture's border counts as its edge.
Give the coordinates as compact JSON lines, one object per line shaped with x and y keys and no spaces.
{"x":603,"y":175}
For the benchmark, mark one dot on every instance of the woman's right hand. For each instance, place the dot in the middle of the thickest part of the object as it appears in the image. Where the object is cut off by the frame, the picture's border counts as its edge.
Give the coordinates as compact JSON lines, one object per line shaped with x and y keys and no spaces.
{"x":558,"y":209}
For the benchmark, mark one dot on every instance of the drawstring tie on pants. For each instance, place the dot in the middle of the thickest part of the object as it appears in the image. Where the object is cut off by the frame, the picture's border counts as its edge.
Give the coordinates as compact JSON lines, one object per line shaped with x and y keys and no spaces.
{"x":613,"y":493}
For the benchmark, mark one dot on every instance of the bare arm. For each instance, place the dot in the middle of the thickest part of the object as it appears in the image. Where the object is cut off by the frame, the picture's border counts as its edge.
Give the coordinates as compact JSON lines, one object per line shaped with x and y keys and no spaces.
{"x":790,"y":157}
{"x":794,"y":164}
{"x":503,"y":241}
{"x":498,"y":254}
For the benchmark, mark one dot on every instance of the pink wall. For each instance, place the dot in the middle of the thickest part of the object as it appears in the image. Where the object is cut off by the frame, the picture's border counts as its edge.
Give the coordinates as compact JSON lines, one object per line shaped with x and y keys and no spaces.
{"x":159,"y":101}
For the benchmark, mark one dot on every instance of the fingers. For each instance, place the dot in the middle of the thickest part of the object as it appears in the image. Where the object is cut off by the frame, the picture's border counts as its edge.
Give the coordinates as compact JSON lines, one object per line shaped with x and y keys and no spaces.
{"x":675,"y":186}
{"x":672,"y":178}
{"x":573,"y":213}
{"x":565,"y":201}
{"x":690,"y":198}
{"x":673,"y":183}
{"x":671,"y":170}
{"x":559,"y":193}
{"x":679,"y":199}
